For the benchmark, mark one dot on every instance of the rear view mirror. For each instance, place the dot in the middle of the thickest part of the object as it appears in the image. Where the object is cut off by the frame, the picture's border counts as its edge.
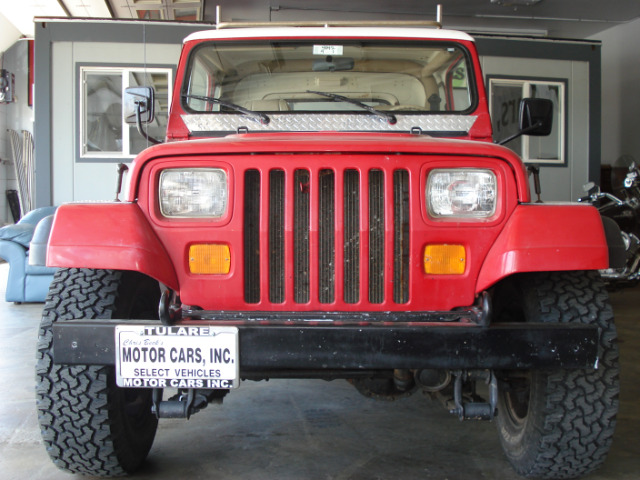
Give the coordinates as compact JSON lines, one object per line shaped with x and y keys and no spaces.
{"x":333,"y":64}
{"x":138,"y":100}
{"x":536,"y":116}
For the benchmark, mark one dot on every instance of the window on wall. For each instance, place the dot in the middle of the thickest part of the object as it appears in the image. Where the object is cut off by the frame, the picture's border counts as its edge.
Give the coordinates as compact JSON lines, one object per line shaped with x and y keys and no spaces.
{"x":504,"y":102}
{"x":179,"y":10}
{"x":103,"y":131}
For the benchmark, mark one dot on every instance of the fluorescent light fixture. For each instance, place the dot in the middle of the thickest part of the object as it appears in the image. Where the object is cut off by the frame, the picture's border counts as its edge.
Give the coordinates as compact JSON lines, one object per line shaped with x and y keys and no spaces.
{"x":516,"y":3}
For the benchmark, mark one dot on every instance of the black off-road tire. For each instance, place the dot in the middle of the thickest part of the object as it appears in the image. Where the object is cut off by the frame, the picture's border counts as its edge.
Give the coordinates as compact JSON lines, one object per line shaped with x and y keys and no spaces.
{"x":559,"y":424}
{"x":88,"y":424}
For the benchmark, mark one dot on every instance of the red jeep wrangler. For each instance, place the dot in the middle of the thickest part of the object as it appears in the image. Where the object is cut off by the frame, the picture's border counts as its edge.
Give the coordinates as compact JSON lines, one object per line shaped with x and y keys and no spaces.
{"x":328,"y":203}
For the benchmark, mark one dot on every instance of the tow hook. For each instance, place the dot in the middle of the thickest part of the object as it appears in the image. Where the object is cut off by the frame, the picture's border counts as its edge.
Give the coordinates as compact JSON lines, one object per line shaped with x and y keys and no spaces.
{"x":486,"y":309}
{"x":475,"y":409}
{"x":184,"y":403}
{"x":169,"y":307}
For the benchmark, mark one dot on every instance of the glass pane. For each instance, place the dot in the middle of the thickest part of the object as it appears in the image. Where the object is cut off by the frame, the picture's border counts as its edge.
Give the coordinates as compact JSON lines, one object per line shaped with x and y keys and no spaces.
{"x":268,"y":76}
{"x":505,"y":105}
{"x":149,"y":14}
{"x":157,"y":129}
{"x":460,"y":87}
{"x":548,"y":148}
{"x":103,"y":112}
{"x":201,"y":84}
{"x":186,"y":14}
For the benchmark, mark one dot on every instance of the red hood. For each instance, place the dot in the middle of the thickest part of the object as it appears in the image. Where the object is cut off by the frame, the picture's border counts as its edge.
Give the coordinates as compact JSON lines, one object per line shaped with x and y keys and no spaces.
{"x":330,"y":142}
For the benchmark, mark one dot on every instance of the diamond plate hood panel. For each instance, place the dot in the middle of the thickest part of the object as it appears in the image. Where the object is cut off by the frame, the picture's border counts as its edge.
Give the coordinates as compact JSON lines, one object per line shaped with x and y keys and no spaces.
{"x":204,"y":123}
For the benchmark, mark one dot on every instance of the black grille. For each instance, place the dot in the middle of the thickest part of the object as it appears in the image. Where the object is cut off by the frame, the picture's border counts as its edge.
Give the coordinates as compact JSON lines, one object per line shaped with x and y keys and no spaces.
{"x":351,"y":217}
{"x":401,"y":236}
{"x":276,"y":236}
{"x":326,"y":236}
{"x":376,"y":236}
{"x":304,"y":187}
{"x":301,"y":236}
{"x":252,"y":236}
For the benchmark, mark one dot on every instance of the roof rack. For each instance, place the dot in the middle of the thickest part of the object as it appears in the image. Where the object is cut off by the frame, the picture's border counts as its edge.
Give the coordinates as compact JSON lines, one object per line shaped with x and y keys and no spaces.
{"x":335,"y":23}
{"x":338,"y":23}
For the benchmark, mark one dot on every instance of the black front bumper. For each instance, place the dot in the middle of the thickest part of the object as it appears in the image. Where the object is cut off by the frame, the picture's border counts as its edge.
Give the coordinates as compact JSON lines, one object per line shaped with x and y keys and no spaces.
{"x":265,"y":348}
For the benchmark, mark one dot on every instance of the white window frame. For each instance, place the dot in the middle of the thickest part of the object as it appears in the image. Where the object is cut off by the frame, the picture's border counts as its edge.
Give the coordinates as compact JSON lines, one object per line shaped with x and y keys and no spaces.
{"x":526,"y":85}
{"x":124,"y":73}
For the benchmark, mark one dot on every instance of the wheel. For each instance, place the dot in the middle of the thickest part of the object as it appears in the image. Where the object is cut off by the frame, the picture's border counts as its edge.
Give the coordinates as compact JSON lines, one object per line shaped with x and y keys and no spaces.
{"x":559,"y":424}
{"x":88,"y":424}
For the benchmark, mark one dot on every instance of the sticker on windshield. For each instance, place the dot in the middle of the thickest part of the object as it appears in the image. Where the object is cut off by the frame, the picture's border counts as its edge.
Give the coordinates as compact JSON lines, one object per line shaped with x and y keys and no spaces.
{"x":327,"y":49}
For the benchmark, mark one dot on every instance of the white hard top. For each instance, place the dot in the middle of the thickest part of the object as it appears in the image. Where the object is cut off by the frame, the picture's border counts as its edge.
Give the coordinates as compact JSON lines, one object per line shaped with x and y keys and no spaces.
{"x":333,"y":32}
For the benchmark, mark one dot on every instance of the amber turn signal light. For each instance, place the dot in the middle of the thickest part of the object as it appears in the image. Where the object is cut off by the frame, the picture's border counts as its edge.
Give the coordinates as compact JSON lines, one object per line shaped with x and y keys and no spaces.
{"x":444,"y":259}
{"x":209,"y":258}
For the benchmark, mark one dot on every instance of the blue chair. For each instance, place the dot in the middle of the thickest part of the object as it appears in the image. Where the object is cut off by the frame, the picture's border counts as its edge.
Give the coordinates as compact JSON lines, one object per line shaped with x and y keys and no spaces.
{"x":27,"y":283}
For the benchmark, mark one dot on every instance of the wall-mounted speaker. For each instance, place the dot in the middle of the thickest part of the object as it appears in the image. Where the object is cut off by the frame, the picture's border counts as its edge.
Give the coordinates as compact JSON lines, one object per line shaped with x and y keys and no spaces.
{"x":7,"y":84}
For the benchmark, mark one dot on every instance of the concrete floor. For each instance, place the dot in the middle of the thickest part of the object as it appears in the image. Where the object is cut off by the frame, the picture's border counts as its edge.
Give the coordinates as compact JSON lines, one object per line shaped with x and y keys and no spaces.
{"x":303,"y":429}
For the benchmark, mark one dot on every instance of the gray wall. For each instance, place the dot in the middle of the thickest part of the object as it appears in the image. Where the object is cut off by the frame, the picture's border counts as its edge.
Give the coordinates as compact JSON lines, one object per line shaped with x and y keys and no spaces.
{"x":620,"y":87}
{"x":562,"y":182}
{"x":15,"y":116}
{"x":76,"y":179}
{"x":578,"y":62}
{"x":62,"y":46}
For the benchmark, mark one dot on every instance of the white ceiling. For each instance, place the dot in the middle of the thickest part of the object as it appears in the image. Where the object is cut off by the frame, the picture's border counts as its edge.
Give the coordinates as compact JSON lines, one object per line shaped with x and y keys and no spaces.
{"x":21,"y":15}
{"x":551,"y":18}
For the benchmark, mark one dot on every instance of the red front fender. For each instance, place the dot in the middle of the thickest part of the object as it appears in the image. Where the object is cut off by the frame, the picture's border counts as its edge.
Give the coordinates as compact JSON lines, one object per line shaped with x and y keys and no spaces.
{"x":544,"y":238}
{"x":108,"y":236}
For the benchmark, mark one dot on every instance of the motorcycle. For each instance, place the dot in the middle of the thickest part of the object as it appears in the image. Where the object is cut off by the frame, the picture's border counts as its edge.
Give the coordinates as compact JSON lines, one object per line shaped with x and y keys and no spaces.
{"x":620,"y":213}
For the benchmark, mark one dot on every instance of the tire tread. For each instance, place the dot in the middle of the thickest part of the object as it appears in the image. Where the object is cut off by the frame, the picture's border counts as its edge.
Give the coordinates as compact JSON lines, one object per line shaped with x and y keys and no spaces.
{"x":73,"y":402}
{"x":579,"y":414}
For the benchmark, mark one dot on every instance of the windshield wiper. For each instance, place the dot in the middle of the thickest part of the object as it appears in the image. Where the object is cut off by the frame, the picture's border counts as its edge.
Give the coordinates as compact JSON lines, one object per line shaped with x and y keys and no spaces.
{"x":263,"y":118}
{"x":389,"y":117}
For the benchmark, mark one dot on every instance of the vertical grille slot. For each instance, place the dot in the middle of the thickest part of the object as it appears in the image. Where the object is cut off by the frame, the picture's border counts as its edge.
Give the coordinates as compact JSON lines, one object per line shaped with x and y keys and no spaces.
{"x":301,"y":236}
{"x":400,"y":236}
{"x":326,"y":236}
{"x":376,"y":236}
{"x":276,"y":236}
{"x":252,"y":236}
{"x":351,"y":199}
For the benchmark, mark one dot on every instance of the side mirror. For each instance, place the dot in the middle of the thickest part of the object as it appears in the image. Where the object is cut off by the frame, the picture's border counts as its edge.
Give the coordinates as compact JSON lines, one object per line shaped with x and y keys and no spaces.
{"x":138,"y":101}
{"x":138,"y":109}
{"x":536,"y":116}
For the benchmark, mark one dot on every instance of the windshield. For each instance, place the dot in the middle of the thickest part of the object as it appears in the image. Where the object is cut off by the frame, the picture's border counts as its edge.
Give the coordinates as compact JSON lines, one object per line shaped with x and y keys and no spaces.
{"x":620,"y":170}
{"x":328,"y":76}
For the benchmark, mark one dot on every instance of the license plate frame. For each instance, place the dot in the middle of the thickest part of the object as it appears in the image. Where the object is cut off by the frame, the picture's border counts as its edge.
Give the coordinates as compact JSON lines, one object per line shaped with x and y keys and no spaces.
{"x":205,"y":357}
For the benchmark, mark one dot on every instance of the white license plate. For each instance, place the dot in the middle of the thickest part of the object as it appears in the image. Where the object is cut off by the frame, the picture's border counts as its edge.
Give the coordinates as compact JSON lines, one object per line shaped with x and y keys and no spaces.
{"x":177,"y":357}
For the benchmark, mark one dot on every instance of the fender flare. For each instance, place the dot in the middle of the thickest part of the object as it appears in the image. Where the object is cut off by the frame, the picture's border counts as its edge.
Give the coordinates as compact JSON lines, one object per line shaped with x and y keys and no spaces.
{"x":617,"y":250}
{"x":546,"y":237}
{"x":108,"y":236}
